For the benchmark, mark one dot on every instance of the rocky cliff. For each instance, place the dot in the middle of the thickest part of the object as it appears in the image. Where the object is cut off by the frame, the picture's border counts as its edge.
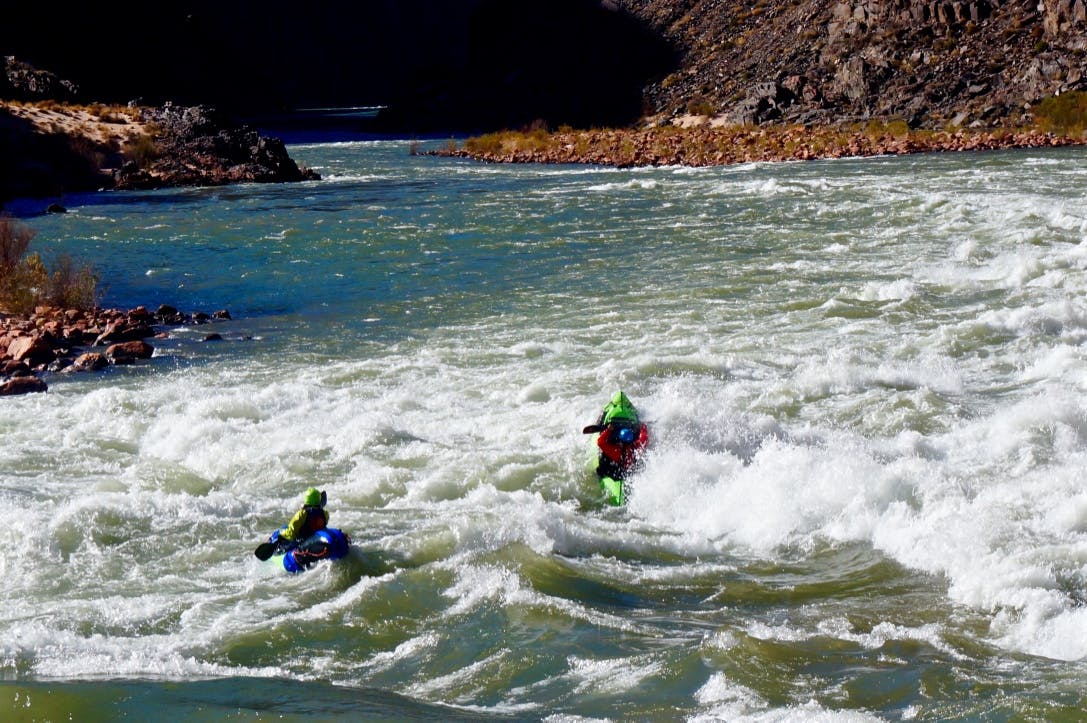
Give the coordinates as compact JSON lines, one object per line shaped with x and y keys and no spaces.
{"x":932,"y":63}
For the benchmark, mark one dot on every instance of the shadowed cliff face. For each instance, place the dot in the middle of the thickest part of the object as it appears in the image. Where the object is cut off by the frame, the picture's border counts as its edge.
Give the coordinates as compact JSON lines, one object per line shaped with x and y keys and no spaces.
{"x":477,"y":64}
{"x":557,"y":61}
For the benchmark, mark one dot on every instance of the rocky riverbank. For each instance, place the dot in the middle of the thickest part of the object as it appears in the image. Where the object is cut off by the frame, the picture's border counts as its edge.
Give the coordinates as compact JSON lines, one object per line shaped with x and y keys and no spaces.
{"x":702,"y":144}
{"x":66,"y":341}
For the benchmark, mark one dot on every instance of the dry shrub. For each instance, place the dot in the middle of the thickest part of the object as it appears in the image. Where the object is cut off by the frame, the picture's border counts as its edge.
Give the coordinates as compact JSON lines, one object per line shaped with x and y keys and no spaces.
{"x":699,"y":106}
{"x":72,"y":287}
{"x":26,"y":282}
{"x":15,"y":237}
{"x":23,"y":287}
{"x":142,"y":151}
{"x":487,"y":143}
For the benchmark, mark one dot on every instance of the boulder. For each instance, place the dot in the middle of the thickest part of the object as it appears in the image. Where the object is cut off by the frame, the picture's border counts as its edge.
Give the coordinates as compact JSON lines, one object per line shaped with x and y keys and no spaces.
{"x":129,"y":351}
{"x":22,"y":385}
{"x":140,"y":315}
{"x":33,"y":350}
{"x":122,"y":330}
{"x":169,"y":315}
{"x":12,"y":368}
{"x":88,"y":362}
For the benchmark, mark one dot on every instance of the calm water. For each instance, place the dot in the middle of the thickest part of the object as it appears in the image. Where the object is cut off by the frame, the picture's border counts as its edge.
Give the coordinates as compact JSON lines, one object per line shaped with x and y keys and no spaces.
{"x":865,"y":500}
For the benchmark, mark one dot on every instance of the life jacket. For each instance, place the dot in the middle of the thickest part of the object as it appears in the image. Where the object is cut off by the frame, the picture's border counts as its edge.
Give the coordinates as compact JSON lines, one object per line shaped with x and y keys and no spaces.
{"x":316,"y":519}
{"x":305,"y":522}
{"x":624,"y":455}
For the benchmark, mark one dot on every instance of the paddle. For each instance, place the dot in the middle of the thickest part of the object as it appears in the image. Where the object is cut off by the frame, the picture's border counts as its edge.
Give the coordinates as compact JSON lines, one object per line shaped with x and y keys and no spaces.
{"x":592,"y":429}
{"x":265,"y":550}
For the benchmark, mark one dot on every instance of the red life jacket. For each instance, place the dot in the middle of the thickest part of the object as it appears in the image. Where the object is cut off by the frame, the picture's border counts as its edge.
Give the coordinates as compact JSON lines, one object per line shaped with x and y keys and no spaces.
{"x":316,"y":519}
{"x":623,"y":454}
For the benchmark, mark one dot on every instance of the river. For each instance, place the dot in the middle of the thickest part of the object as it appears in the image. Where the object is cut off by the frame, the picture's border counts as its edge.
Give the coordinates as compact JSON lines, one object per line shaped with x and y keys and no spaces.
{"x":864,"y":499}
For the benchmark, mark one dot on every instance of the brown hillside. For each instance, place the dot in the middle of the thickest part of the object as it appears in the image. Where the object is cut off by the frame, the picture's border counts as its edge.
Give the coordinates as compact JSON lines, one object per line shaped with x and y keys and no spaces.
{"x":934,"y":64}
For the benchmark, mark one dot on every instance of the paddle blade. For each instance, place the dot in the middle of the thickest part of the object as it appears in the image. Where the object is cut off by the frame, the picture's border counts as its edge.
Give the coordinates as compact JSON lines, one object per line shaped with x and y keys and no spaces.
{"x":264,"y":550}
{"x":592,"y":429}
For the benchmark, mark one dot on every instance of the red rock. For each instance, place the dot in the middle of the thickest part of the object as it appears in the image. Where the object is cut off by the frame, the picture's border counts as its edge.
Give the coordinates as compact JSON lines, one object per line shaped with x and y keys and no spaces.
{"x":87,"y":362}
{"x":31,"y":349}
{"x":12,"y":368}
{"x":126,"y":352}
{"x":22,"y":385}
{"x":141,"y":315}
{"x":120,"y":330}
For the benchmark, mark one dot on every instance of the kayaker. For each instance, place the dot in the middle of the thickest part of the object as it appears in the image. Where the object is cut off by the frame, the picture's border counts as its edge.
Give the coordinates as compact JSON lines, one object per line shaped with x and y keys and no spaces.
{"x":623,"y":437}
{"x":308,"y":520}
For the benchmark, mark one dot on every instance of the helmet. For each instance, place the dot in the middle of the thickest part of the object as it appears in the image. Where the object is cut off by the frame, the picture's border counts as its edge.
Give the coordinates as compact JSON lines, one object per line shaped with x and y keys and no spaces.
{"x":313,"y":498}
{"x":626,"y":434}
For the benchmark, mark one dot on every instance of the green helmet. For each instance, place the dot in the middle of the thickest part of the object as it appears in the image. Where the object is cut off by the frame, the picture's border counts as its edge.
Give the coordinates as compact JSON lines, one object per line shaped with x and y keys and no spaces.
{"x":620,"y":408}
{"x":313,"y":498}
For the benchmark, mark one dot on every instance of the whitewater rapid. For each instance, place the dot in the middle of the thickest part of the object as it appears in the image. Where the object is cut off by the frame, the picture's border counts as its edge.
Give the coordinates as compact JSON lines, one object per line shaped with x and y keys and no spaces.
{"x":866,"y":384}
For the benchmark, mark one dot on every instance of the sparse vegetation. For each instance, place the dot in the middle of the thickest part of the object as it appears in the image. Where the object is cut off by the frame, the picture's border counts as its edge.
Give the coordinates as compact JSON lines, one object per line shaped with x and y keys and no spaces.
{"x":26,"y":282}
{"x":88,"y":149}
{"x":1065,"y":113}
{"x":15,"y":239}
{"x":141,"y":150}
{"x":536,"y":139}
{"x":698,"y":106}
{"x":488,"y":143}
{"x":72,"y":286}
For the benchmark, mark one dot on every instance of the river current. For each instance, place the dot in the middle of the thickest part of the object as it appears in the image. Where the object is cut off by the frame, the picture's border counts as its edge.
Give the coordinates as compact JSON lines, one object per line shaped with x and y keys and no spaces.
{"x":866,"y":383}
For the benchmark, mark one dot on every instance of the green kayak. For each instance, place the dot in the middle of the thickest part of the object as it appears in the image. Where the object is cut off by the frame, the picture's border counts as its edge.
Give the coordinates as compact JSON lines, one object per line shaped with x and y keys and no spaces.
{"x":615,"y":492}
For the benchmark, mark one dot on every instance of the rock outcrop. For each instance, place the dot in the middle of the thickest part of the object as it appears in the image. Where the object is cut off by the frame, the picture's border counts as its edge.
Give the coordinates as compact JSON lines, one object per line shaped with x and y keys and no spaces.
{"x":199,"y":146}
{"x":49,"y":146}
{"x":22,"y":81}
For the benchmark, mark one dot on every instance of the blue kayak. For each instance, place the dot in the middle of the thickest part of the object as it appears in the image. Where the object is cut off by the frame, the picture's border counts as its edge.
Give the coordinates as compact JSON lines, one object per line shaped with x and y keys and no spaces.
{"x":327,"y":544}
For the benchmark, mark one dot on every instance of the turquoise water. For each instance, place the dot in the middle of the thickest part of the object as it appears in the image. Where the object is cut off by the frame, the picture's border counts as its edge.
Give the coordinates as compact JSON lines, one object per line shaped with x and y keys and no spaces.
{"x":864,"y":500}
